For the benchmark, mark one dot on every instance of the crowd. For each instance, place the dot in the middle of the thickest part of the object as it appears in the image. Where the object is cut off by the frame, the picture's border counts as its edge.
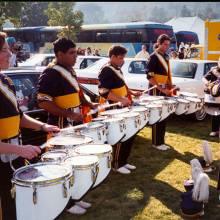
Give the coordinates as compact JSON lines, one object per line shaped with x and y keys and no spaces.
{"x":88,"y":51}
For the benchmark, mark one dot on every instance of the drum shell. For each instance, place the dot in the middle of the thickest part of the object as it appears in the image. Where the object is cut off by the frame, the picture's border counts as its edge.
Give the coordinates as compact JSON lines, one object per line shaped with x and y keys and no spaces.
{"x":116,"y":130}
{"x":50,"y":199}
{"x":47,"y":158}
{"x":194,"y":105}
{"x":104,"y":162}
{"x":132,"y":124}
{"x":84,"y":179}
{"x":182,"y":107}
{"x":144,"y":116}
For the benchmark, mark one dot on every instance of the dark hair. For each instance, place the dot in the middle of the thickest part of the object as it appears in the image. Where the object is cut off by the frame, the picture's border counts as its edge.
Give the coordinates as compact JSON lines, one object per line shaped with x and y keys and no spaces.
{"x":63,"y":44}
{"x":3,"y":36}
{"x":117,"y":50}
{"x":160,"y":40}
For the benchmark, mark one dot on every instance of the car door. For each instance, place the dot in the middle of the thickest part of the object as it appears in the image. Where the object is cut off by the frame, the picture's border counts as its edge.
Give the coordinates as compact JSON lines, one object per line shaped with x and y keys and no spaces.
{"x":135,"y":74}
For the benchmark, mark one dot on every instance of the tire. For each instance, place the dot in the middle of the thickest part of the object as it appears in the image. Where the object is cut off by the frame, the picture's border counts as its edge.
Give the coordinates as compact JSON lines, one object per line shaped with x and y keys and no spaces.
{"x":200,"y":115}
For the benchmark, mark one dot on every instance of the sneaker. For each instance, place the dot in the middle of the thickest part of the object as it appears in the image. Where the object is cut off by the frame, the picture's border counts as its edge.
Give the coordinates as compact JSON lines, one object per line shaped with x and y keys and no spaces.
{"x":168,"y":147}
{"x":213,"y":134}
{"x":130,"y":167}
{"x":83,"y":204}
{"x":77,"y":210}
{"x":162,"y":147}
{"x":123,"y":170}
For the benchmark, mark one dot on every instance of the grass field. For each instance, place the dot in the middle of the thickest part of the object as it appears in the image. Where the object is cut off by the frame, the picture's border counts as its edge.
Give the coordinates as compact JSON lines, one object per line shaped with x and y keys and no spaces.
{"x":153,"y":190}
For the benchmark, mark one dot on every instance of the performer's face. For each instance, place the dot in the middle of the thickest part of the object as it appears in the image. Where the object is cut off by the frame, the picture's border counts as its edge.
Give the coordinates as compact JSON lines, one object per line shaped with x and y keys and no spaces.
{"x":164,"y":46}
{"x":118,"y":60}
{"x":5,"y":55}
{"x":68,"y":58}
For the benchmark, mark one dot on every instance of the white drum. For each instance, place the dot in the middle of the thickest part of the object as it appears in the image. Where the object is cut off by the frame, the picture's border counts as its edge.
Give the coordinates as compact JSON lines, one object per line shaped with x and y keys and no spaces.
{"x":68,"y":141}
{"x":96,"y":130}
{"x":165,"y":109}
{"x":195,"y":105}
{"x":144,"y":114}
{"x":113,"y":112}
{"x":85,"y":172}
{"x":182,"y":106}
{"x":116,"y":129}
{"x":132,"y":124}
{"x":188,"y":94}
{"x":172,"y":104}
{"x":41,"y":190}
{"x":54,"y":156}
{"x":150,"y":98}
{"x":103,"y":152}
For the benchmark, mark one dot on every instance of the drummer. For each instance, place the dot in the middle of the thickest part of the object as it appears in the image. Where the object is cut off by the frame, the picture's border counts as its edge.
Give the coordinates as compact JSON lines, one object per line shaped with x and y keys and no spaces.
{"x":61,"y":96}
{"x":211,"y":76}
{"x":12,"y":152}
{"x":113,"y":88}
{"x":158,"y":73}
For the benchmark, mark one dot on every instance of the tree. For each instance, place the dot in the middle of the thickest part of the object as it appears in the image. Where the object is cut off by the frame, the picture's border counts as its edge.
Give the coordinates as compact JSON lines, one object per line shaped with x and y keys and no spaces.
{"x":33,"y":14}
{"x":11,"y":11}
{"x":158,"y":15}
{"x":93,"y":14}
{"x":62,"y":14}
{"x":185,"y":12}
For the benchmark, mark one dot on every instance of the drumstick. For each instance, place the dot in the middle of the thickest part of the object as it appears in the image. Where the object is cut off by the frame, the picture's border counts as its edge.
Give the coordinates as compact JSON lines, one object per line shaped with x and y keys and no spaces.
{"x":147,"y":90}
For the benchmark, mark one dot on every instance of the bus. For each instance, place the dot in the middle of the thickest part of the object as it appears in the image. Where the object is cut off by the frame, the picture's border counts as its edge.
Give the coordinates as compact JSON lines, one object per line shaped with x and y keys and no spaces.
{"x":99,"y":36}
{"x":186,"y":37}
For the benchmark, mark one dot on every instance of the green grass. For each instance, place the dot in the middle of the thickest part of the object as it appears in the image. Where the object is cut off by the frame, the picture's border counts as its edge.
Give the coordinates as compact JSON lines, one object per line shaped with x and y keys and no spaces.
{"x":152,"y":191}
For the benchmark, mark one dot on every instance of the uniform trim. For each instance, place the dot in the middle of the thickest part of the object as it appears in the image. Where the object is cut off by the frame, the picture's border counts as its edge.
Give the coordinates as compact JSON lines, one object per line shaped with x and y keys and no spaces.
{"x":67,"y":101}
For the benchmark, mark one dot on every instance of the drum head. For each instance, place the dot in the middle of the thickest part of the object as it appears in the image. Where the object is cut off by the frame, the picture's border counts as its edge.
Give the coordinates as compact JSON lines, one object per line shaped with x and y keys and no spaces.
{"x":113,"y":119}
{"x":128,"y":114}
{"x":182,"y":100}
{"x":69,"y":140}
{"x":55,"y":155}
{"x":192,"y":99}
{"x":115,"y":111}
{"x":41,"y":172}
{"x":99,"y":119}
{"x":189,"y":94}
{"x":138,"y":108}
{"x":151,"y":98}
{"x":90,"y":125}
{"x":82,"y":160}
{"x":93,"y":149}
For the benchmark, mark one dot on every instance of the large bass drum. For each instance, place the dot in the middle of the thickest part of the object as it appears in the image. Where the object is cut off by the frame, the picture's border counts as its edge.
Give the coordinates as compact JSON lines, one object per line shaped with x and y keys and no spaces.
{"x":41,"y":190}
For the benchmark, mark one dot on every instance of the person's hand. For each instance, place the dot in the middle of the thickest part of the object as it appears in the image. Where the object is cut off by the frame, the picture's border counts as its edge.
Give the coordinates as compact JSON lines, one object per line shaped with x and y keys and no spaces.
{"x":77,"y":117}
{"x":50,"y":128}
{"x":125,"y":102}
{"x":137,"y":94}
{"x":94,"y":105}
{"x":28,"y":151}
{"x":167,"y":92}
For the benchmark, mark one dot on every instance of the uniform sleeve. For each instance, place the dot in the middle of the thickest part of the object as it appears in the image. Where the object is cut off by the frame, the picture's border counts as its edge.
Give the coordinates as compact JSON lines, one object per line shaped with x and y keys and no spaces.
{"x":48,"y":85}
{"x":151,"y":66}
{"x":105,"y":82}
{"x":210,"y":76}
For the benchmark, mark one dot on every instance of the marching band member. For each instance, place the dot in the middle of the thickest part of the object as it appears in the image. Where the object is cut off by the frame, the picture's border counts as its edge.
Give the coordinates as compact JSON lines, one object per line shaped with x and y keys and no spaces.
{"x":60,"y":95}
{"x":158,"y":73}
{"x":12,"y":152}
{"x":113,"y":88}
{"x":210,"y":77}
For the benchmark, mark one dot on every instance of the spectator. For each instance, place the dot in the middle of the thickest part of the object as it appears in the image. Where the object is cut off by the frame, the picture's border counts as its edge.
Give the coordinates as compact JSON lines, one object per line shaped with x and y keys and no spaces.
{"x":96,"y":53}
{"x":88,"y":51}
{"x":12,"y":46}
{"x":181,"y":53}
{"x":174,"y":55}
{"x":143,"y":53}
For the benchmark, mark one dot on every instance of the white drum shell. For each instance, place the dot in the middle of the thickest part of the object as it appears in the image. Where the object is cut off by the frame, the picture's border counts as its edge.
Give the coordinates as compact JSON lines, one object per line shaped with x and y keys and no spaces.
{"x":195,"y":105}
{"x":104,"y":160}
{"x":182,"y":107}
{"x":116,"y":130}
{"x":144,"y":115}
{"x":132,"y":123}
{"x":83,"y":179}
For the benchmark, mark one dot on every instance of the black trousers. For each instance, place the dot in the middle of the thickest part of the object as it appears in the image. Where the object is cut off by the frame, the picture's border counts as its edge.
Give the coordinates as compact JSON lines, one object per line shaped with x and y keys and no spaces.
{"x":158,"y":133}
{"x":215,"y":123}
{"x":121,"y":152}
{"x":8,"y":204}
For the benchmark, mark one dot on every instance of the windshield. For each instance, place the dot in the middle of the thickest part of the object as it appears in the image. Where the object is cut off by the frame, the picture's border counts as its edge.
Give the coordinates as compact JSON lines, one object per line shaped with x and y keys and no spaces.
{"x":34,"y":60}
{"x":98,"y":64}
{"x":183,"y":69}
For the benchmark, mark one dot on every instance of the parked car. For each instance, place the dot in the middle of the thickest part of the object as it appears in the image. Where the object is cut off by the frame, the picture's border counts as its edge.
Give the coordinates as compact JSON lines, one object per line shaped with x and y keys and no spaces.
{"x":40,"y":61}
{"x":25,"y":81}
{"x":186,"y":74}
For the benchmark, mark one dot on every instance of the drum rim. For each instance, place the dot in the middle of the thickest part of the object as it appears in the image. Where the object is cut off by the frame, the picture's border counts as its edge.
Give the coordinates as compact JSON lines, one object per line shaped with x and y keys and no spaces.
{"x":96,"y":154}
{"x":54,"y":181}
{"x":94,"y":164}
{"x":54,"y":151}
{"x":105,"y":113}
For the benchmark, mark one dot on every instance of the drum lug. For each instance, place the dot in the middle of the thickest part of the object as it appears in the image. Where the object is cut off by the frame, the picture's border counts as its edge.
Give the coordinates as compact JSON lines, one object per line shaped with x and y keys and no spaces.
{"x":121,"y":127}
{"x":124,"y":125}
{"x":71,"y":181}
{"x":99,"y":135}
{"x":110,"y":161}
{"x":95,"y":171}
{"x":13,"y":191}
{"x":145,"y":116}
{"x":34,"y":195}
{"x":64,"y":190}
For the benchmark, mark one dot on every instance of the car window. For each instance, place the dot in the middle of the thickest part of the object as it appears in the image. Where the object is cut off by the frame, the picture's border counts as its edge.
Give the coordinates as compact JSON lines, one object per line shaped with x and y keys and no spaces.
{"x":25,"y":91}
{"x":83,"y":64}
{"x":47,"y":60}
{"x":137,"y":67}
{"x":183,"y":69}
{"x":208,"y":66}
